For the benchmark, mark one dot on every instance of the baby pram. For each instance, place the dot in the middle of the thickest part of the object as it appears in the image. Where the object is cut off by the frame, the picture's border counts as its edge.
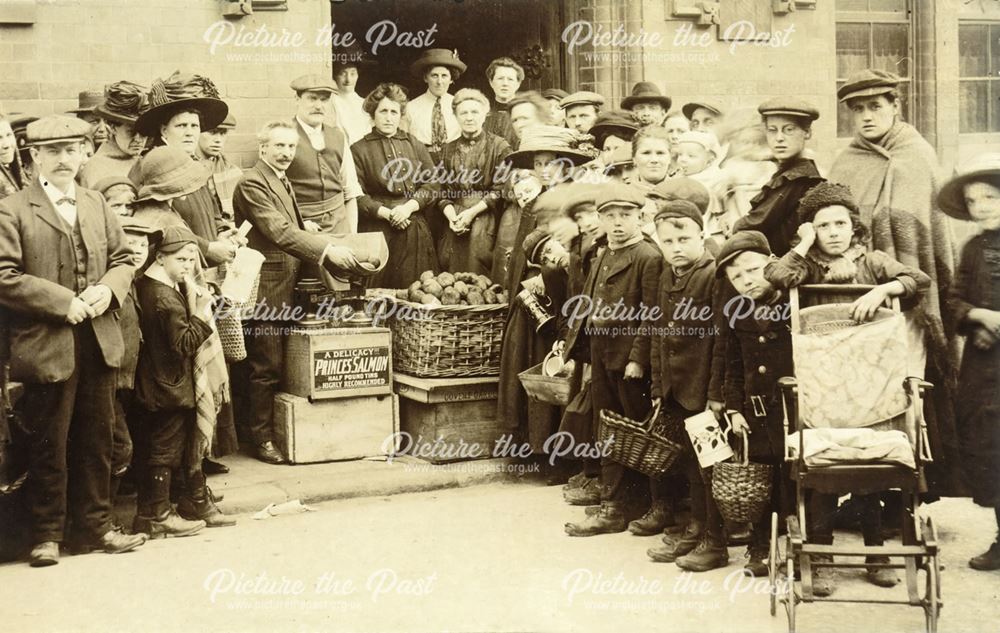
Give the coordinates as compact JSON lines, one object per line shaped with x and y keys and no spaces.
{"x":857,"y":427}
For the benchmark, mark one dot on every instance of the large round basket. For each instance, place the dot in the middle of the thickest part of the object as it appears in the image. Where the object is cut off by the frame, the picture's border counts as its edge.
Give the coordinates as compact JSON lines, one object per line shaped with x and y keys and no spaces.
{"x":447,"y":341}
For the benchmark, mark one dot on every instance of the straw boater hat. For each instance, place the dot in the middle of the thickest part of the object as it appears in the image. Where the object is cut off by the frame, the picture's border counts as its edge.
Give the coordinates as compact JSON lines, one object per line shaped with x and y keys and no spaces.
{"x":561,"y":141}
{"x":87,"y":100}
{"x":123,"y":102}
{"x":180,"y":92}
{"x":951,"y":198}
{"x":167,"y":172}
{"x":645,"y":92}
{"x":438,"y":57}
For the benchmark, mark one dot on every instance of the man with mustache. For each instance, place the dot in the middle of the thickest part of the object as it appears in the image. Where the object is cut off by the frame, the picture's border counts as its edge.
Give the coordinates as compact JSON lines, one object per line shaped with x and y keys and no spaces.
{"x":322,"y":173}
{"x":122,"y":103}
{"x":266,"y":199}
{"x":65,"y":268}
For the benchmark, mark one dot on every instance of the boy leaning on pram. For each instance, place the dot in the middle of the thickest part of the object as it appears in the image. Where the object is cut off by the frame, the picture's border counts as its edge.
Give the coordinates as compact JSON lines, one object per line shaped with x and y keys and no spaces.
{"x":832,"y":249}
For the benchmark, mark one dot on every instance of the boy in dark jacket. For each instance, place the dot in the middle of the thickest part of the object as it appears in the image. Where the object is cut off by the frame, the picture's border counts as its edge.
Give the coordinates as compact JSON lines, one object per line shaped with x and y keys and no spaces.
{"x":681,"y":365}
{"x":175,"y":319}
{"x":758,"y":353}
{"x":621,"y":290}
{"x":138,"y":236}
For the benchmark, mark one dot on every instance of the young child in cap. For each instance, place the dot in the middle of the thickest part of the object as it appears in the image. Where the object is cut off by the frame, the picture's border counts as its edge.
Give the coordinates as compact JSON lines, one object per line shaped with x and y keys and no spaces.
{"x":832,"y":249}
{"x":138,"y":236}
{"x":625,"y":275}
{"x":175,"y":316}
{"x":974,"y":301}
{"x":681,"y":366}
{"x":758,"y":351}
{"x":697,"y":155}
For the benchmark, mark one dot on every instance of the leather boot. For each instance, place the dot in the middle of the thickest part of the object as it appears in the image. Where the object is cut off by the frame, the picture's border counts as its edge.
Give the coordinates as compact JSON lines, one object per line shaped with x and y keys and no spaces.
{"x":609,"y":520}
{"x":711,"y":553}
{"x":654,"y":521}
{"x":155,"y":516}
{"x":756,"y":566}
{"x":197,"y":504}
{"x":586,"y":494}
{"x":674,"y":548}
{"x":988,"y":560}
{"x":576,"y":481}
{"x":117,"y":542}
{"x":44,"y":554}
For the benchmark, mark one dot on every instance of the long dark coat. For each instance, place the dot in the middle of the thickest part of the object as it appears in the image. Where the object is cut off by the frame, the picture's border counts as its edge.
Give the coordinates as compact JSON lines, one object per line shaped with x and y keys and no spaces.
{"x":977,"y":409}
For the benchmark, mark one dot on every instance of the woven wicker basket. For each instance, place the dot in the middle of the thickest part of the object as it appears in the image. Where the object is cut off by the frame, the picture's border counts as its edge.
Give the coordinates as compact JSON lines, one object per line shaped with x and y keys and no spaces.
{"x":447,"y":341}
{"x":648,"y":446}
{"x":741,"y":489}
{"x":230,"y":327}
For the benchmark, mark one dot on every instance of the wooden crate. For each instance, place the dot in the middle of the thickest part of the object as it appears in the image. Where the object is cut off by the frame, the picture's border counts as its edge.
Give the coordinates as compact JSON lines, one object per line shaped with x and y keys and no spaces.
{"x":457,"y":416}
{"x":326,"y":431}
{"x":338,"y":362}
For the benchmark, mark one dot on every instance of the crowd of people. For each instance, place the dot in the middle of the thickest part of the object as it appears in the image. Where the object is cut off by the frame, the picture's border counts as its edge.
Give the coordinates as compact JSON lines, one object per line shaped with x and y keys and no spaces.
{"x":116,"y":223}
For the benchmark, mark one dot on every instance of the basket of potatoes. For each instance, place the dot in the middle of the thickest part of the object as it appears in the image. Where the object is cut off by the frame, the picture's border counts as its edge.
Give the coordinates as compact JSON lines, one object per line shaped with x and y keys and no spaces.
{"x":449,"y":325}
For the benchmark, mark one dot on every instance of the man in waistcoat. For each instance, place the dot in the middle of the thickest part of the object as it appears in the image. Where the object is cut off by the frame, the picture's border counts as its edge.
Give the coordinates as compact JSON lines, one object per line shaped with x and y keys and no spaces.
{"x":322,"y":173}
{"x":64,"y":268}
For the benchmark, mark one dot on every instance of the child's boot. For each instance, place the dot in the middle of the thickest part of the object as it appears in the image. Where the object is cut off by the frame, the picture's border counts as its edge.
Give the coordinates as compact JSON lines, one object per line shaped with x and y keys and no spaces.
{"x":198,"y":505}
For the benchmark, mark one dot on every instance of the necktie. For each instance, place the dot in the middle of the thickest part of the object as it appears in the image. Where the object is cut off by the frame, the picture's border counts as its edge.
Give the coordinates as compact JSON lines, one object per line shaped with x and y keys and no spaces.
{"x":439,"y":135}
{"x":288,"y":186}
{"x":65,"y":200}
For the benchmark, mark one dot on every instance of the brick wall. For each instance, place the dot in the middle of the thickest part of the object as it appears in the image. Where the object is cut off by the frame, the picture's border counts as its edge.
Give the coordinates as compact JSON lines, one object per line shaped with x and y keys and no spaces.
{"x":746,"y":75}
{"x":80,"y":45}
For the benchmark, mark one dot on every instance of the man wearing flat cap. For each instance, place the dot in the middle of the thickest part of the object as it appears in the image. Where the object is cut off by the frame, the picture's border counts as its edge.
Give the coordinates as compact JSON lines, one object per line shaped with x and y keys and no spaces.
{"x":431,"y":115}
{"x":894,"y":175}
{"x":773,"y":211}
{"x":323,"y":175}
{"x":581,"y":110}
{"x":64,"y":265}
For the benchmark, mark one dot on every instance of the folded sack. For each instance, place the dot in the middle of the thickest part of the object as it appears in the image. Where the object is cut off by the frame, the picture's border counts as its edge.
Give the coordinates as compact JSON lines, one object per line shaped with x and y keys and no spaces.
{"x":826,"y":447}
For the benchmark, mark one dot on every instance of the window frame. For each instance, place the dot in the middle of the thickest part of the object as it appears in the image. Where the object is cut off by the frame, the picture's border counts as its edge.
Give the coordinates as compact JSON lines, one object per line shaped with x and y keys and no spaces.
{"x":987,"y":136}
{"x":871,"y":18}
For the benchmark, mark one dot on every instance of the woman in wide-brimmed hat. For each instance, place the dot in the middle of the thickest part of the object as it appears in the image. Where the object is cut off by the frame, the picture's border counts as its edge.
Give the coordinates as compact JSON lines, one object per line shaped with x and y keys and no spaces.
{"x":123,"y":101}
{"x":551,"y":153}
{"x":974,"y":302}
{"x":180,"y":107}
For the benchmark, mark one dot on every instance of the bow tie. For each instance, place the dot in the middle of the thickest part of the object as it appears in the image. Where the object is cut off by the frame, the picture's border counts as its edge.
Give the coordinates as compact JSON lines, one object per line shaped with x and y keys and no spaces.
{"x":66,"y":199}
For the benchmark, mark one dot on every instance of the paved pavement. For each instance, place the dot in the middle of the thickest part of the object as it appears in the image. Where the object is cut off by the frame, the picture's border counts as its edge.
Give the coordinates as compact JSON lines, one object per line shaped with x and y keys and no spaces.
{"x":484,"y":558}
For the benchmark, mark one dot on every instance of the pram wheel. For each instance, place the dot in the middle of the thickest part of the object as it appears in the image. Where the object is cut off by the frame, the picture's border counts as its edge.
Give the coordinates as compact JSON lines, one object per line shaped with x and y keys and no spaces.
{"x":772,"y":563}
{"x":790,"y":597}
{"x":932,"y":598}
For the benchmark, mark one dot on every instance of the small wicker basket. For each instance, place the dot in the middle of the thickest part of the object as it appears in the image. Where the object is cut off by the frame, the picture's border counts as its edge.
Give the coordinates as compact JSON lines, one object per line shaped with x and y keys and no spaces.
{"x":447,"y":341}
{"x":648,"y":446}
{"x":741,"y":489}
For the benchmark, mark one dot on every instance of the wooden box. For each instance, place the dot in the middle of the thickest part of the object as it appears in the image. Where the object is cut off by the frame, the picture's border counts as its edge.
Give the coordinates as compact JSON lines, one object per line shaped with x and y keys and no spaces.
{"x":447,"y":419}
{"x":331,"y":430}
{"x":338,"y":362}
